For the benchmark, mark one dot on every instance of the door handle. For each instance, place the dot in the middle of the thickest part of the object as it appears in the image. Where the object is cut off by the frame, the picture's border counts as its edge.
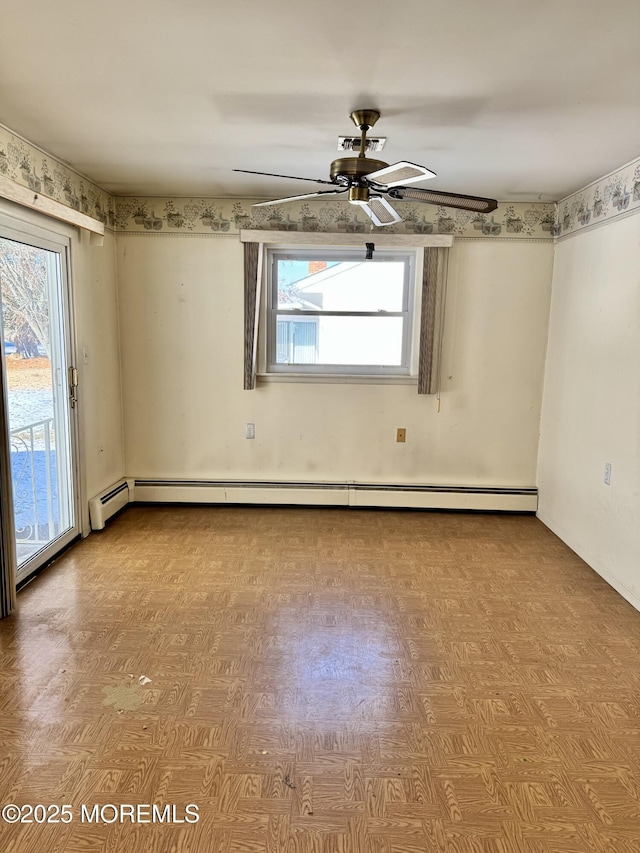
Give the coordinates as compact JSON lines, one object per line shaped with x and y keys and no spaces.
{"x":73,"y":384}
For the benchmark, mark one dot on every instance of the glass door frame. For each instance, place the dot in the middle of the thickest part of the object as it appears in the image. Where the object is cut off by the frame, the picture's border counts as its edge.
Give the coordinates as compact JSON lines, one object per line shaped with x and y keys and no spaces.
{"x":31,"y":234}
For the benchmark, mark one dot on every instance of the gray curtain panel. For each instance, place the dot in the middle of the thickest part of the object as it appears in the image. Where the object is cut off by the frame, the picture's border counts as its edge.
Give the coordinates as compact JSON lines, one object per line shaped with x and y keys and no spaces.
{"x":434,"y":279}
{"x":7,"y":531}
{"x":251,"y":305}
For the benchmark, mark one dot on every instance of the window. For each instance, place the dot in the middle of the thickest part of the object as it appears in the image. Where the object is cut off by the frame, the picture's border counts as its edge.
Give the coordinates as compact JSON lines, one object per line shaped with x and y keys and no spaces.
{"x":332,"y":312}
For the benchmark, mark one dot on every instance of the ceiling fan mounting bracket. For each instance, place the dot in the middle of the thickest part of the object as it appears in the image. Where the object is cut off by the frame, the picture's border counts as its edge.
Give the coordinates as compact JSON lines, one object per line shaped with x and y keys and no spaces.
{"x":364,"y":119}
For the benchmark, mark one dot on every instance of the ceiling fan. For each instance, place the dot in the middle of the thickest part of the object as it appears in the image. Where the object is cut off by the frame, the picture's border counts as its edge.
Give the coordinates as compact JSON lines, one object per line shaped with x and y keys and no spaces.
{"x":366,"y":181}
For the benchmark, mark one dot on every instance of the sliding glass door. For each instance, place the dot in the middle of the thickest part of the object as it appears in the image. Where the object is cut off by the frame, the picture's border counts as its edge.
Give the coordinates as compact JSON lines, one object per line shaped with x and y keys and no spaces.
{"x":40,"y":388}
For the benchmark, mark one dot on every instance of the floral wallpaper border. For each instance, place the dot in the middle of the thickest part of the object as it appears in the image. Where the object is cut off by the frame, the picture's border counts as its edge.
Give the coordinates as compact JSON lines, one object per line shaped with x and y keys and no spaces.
{"x":615,"y":195}
{"x":225,"y":217}
{"x":612,"y":196}
{"x":30,"y":167}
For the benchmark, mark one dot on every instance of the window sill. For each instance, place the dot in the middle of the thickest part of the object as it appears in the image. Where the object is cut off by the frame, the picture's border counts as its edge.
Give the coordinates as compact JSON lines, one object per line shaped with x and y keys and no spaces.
{"x":338,"y":379}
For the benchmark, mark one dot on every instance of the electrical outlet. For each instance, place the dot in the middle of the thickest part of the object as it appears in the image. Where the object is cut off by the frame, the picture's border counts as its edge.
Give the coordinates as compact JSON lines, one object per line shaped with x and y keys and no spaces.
{"x":401,"y":434}
{"x":607,"y":474}
{"x":249,"y":430}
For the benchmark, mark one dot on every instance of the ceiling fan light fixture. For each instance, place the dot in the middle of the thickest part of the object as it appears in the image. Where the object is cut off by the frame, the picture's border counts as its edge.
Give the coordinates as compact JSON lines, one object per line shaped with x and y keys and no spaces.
{"x":401,"y":173}
{"x":358,"y":195}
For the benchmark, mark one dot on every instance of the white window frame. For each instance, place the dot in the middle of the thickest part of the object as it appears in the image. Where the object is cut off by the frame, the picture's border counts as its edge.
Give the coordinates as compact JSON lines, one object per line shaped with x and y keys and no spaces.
{"x":335,"y":253}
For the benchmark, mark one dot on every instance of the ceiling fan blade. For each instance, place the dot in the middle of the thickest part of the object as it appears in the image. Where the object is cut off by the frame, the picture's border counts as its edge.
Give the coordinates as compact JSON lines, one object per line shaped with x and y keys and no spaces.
{"x":462,"y":202}
{"x":291,"y":177}
{"x":299,"y":197}
{"x":380,"y":211}
{"x":400,"y":173}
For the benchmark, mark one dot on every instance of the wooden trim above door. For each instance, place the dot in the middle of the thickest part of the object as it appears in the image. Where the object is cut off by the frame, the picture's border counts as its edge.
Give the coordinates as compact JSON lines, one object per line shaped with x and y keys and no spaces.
{"x":28,"y":198}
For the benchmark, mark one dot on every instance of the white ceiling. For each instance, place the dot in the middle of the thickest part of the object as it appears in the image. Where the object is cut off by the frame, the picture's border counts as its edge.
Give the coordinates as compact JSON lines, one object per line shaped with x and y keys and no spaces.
{"x":514,"y":99}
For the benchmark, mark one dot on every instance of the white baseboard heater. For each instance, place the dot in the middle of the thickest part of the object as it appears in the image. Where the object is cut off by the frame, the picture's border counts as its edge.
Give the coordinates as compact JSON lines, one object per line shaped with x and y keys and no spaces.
{"x":406,"y":496}
{"x":108,"y":502}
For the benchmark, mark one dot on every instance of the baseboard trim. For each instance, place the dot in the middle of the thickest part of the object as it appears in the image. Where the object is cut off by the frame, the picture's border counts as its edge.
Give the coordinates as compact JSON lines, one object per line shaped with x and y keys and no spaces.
{"x":407,"y":496}
{"x":620,"y":587}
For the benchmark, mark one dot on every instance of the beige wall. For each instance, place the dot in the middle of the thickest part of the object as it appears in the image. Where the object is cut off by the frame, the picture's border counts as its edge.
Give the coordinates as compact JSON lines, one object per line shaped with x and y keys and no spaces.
{"x":181,"y":309}
{"x":591,"y":412}
{"x":100,"y":400}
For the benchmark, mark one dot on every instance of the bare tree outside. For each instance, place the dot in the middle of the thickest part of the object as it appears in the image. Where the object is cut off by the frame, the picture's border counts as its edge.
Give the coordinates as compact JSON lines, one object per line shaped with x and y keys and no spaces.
{"x":23,"y":278}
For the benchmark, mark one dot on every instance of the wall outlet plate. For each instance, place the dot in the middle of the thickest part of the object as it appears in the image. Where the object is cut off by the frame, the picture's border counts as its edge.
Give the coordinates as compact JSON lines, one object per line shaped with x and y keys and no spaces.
{"x":249,"y":430}
{"x":607,"y":474}
{"x":401,"y":434}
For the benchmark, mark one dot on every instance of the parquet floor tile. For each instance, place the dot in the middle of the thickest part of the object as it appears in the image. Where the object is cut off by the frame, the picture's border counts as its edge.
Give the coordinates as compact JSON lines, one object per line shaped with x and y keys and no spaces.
{"x":323,"y":681}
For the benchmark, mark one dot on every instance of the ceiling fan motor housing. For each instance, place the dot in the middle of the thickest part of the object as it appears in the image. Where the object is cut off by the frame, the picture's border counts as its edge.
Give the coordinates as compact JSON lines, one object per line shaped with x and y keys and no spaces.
{"x":354,"y":168}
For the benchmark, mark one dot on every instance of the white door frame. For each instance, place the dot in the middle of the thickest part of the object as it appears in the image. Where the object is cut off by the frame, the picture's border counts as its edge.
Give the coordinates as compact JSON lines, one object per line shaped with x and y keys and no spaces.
{"x":26,"y":230}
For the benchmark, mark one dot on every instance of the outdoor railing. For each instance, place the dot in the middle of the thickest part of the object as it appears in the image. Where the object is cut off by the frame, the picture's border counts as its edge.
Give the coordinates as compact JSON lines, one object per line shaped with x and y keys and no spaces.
{"x":34,"y":475}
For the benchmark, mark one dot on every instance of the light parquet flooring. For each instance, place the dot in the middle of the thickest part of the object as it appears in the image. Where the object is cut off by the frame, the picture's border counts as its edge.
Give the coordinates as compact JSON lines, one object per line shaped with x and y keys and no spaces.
{"x":324,"y":681}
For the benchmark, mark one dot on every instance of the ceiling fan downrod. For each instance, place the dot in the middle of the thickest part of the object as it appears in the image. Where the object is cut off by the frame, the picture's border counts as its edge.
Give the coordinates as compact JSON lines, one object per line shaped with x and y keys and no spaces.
{"x":351,"y":172}
{"x":364,"y":120}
